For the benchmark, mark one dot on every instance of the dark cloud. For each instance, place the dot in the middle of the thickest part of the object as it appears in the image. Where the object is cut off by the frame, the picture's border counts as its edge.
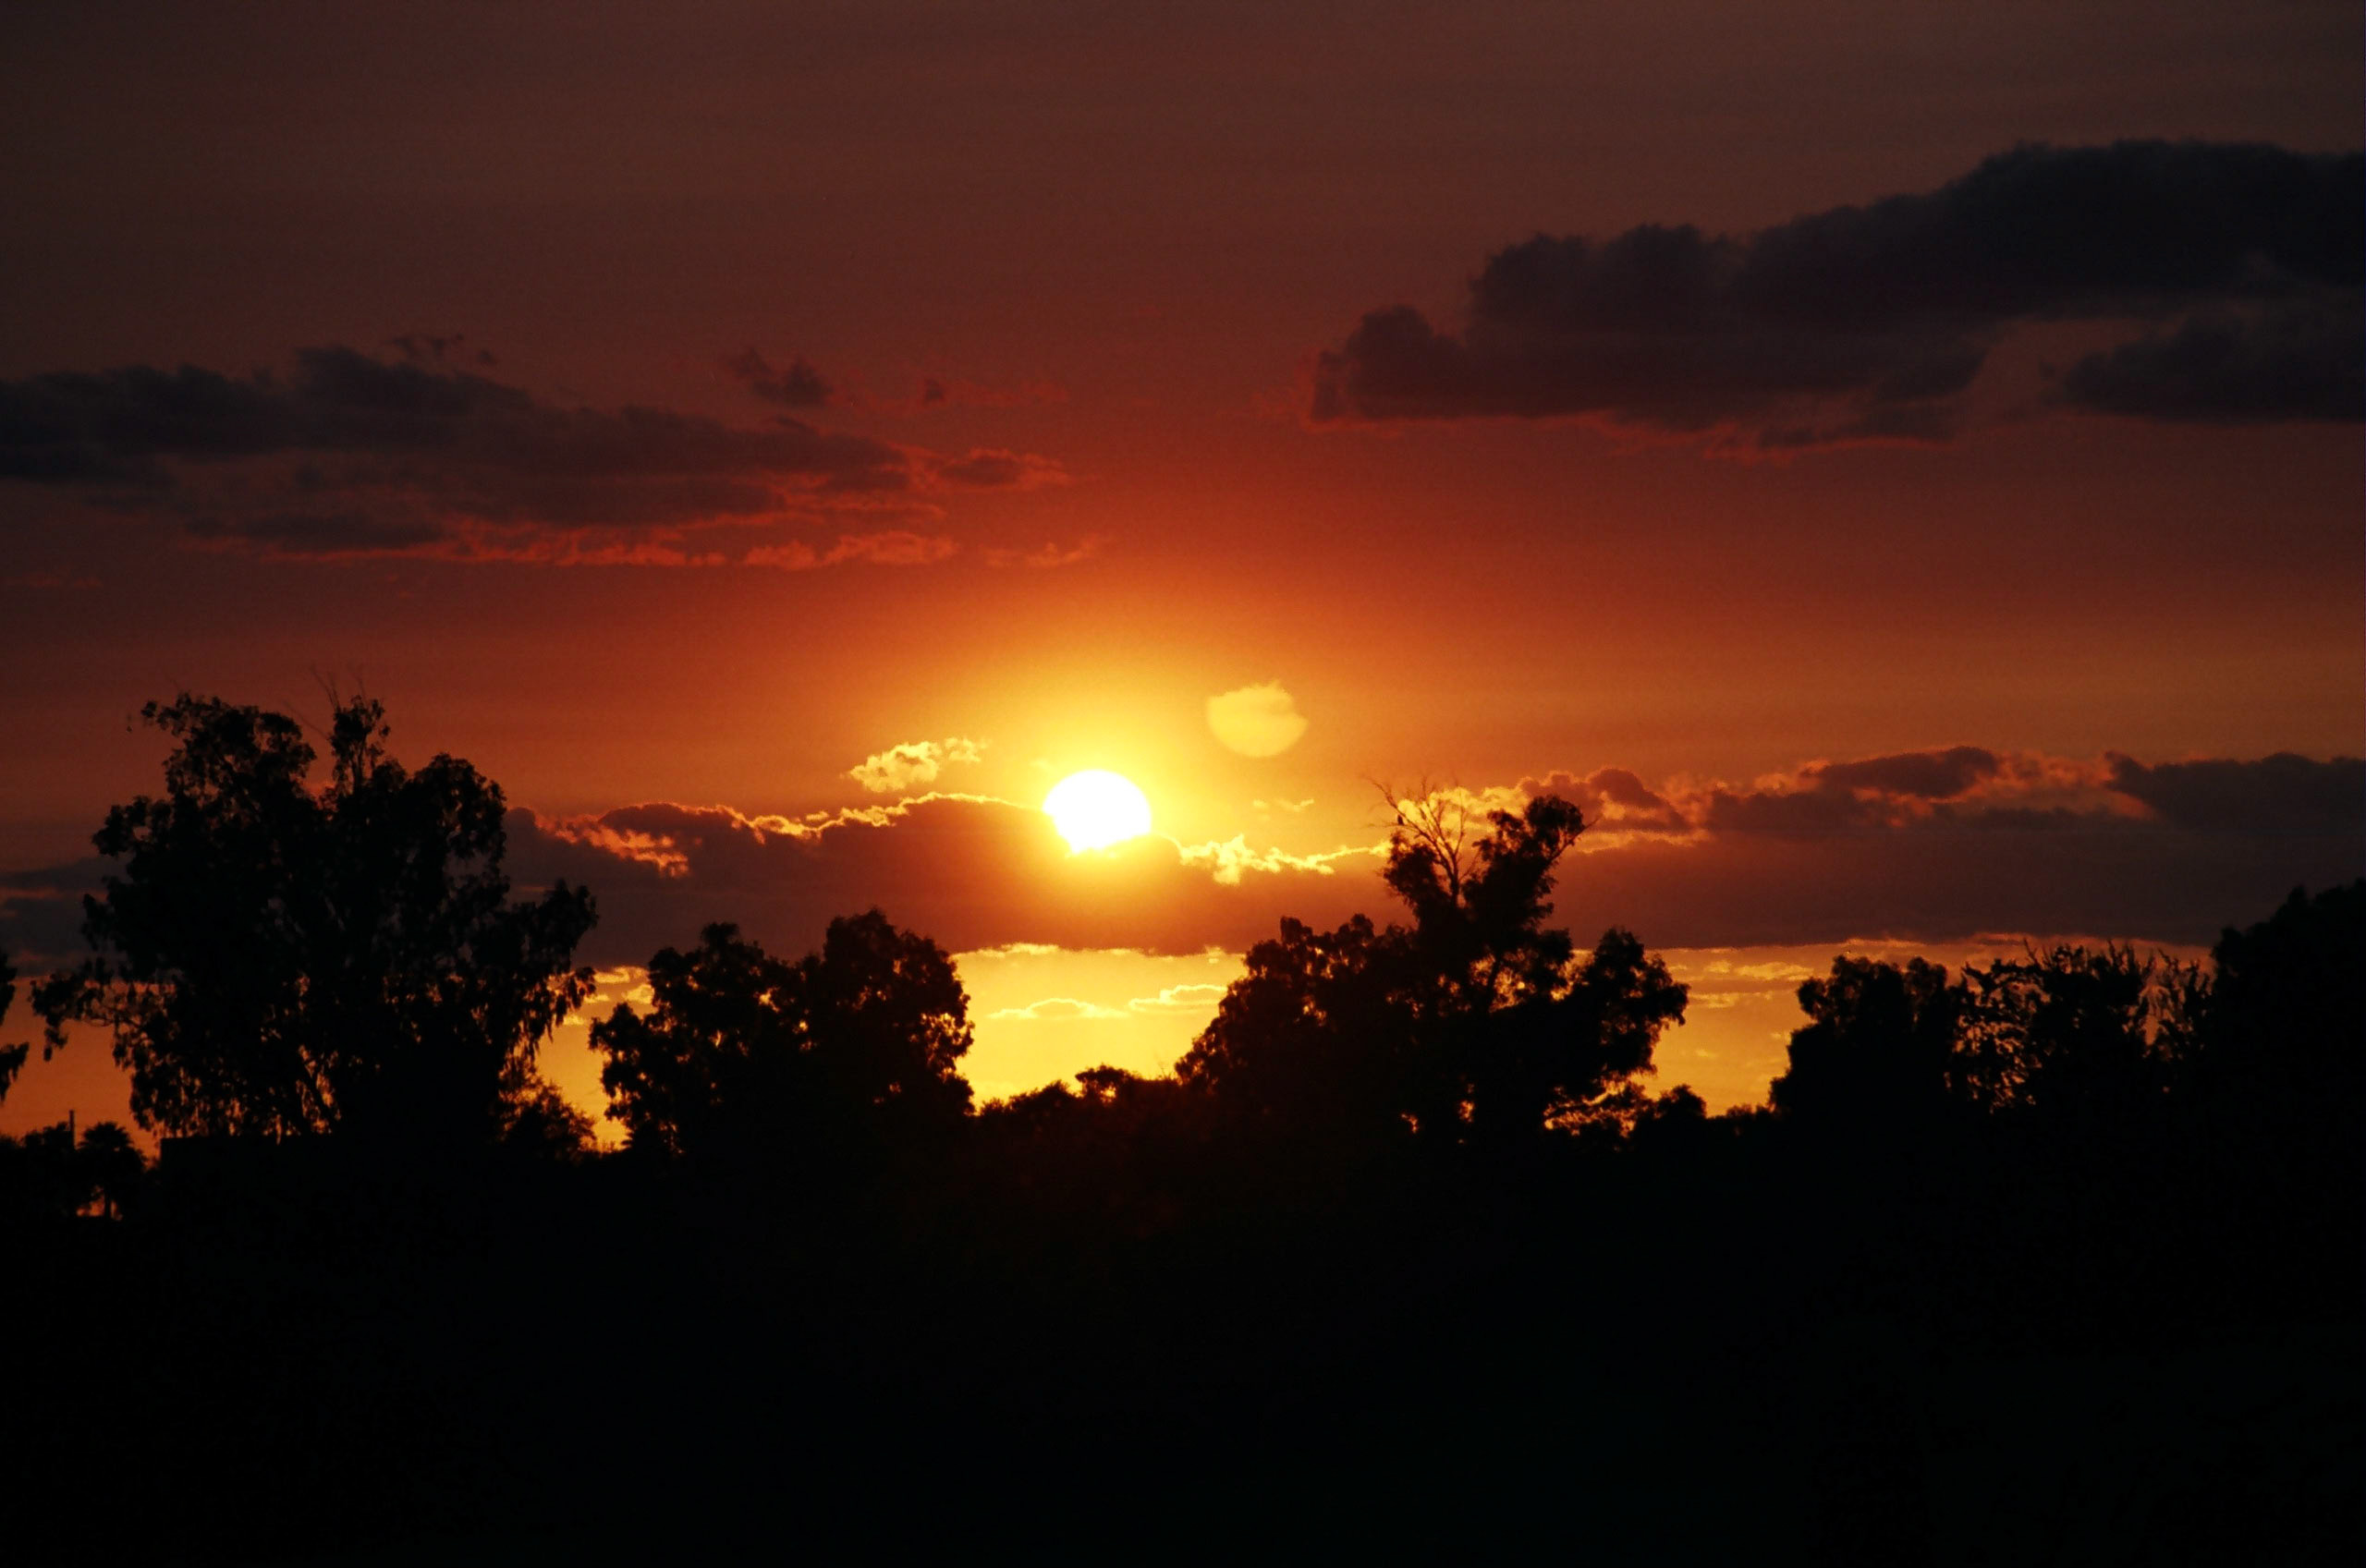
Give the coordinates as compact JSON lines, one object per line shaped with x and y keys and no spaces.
{"x":351,"y":455}
{"x":946,"y":391}
{"x":799,"y":386}
{"x":324,"y":533}
{"x":992,"y":468}
{"x":2279,"y":794}
{"x":1943,"y":845}
{"x":1612,"y":800}
{"x":1926,"y":775}
{"x":442,"y":348}
{"x":122,"y":424}
{"x":2300,"y":361}
{"x":1866,"y":791}
{"x":1944,"y":880}
{"x":41,"y":913}
{"x":1867,"y":321}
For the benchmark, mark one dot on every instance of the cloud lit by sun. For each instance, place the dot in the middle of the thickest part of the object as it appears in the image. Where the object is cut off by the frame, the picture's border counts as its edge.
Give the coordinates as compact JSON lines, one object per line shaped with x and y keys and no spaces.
{"x":1096,"y":809}
{"x":1256,"y":721}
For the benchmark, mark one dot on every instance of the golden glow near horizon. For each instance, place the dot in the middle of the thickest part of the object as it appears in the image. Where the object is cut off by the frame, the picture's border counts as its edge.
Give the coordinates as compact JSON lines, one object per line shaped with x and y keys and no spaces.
{"x":1096,"y":809}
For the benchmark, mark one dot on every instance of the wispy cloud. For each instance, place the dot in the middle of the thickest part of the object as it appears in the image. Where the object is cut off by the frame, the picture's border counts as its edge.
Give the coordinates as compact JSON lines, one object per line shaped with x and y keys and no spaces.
{"x":1062,"y":1009}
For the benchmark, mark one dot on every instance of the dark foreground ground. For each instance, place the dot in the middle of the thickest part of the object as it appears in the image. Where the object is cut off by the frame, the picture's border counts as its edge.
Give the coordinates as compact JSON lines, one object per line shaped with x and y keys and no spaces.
{"x":1738,"y":1353}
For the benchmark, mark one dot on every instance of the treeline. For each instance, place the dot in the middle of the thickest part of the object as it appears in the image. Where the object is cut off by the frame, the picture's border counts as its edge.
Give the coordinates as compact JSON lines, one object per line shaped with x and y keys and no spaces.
{"x":1405,"y":1255}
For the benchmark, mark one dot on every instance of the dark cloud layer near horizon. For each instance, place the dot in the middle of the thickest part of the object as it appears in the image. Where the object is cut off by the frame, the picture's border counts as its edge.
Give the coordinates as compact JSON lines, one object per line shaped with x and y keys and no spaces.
{"x":353,"y":454}
{"x":2241,"y":265}
{"x":1933,"y":846}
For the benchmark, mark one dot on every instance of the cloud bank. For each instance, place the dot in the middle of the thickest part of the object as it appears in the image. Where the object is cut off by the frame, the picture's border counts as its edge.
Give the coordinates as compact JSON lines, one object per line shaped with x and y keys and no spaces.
{"x":2238,"y":267}
{"x":1935,"y":847}
{"x":1948,"y":846}
{"x":349,"y":454}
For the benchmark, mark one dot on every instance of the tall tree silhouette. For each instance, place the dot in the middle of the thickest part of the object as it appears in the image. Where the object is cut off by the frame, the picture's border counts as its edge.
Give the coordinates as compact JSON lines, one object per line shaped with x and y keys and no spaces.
{"x":2287,"y":1009}
{"x":2280,"y":1078}
{"x":1476,"y":1023}
{"x":744,"y":1054}
{"x":12,"y":1057}
{"x":274,"y":958}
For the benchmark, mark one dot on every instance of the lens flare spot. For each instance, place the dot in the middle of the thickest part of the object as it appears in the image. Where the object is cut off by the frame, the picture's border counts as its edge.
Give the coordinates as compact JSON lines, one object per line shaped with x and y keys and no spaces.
{"x":1096,"y":809}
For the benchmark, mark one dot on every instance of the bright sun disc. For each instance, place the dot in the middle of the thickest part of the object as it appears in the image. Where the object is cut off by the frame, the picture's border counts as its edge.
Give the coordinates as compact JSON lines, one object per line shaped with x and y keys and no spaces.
{"x":1096,"y":809}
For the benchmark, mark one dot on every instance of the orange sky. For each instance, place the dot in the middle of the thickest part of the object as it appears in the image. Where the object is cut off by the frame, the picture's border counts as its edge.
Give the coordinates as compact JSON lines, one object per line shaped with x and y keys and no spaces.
{"x":1074,"y":285}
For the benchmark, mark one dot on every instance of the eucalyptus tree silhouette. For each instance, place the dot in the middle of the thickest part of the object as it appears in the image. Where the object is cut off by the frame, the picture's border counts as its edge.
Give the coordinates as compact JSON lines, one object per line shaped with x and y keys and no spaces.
{"x":1319,"y":1036}
{"x":1477,"y":1024}
{"x":12,"y":1057}
{"x":1877,"y":1052}
{"x":2075,"y":1033}
{"x":742,"y":1054}
{"x":2287,"y":1011}
{"x":2279,"y":1082}
{"x":278,"y":959}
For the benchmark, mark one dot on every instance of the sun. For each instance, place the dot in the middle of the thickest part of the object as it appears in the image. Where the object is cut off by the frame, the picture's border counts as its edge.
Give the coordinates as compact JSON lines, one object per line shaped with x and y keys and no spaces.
{"x":1096,"y":809}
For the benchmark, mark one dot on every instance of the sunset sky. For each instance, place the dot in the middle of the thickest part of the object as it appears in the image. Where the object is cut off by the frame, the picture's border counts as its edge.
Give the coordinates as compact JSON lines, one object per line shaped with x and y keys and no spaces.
{"x":1895,"y":465}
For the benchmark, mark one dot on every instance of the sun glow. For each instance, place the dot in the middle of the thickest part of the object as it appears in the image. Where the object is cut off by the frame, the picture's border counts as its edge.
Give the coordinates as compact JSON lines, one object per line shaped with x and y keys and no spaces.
{"x":1096,"y":809}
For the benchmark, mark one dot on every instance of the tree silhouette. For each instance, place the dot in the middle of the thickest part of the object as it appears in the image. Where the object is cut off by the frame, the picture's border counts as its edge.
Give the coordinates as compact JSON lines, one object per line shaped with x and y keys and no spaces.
{"x":718,"y":1042}
{"x":538,"y":1120}
{"x":108,"y":1167}
{"x":12,"y":1057}
{"x":49,"y":1174}
{"x":2280,"y":1077}
{"x":1877,"y":1052}
{"x":2073,"y":1032}
{"x":2287,"y":1008}
{"x":278,"y":959}
{"x":1319,"y":1036}
{"x":1569,"y":1055}
{"x":887,"y":1022}
{"x":742,"y":1053}
{"x":1479,"y":1023}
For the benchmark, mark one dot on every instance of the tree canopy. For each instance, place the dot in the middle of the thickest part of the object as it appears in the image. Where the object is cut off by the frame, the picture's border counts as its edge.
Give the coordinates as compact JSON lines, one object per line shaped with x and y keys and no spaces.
{"x":742,"y":1053}
{"x":1476,"y":1023}
{"x":278,"y":958}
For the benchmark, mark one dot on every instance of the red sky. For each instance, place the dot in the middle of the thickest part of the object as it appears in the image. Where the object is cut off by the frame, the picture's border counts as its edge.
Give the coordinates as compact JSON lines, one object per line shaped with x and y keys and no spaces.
{"x":1106,"y":416}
